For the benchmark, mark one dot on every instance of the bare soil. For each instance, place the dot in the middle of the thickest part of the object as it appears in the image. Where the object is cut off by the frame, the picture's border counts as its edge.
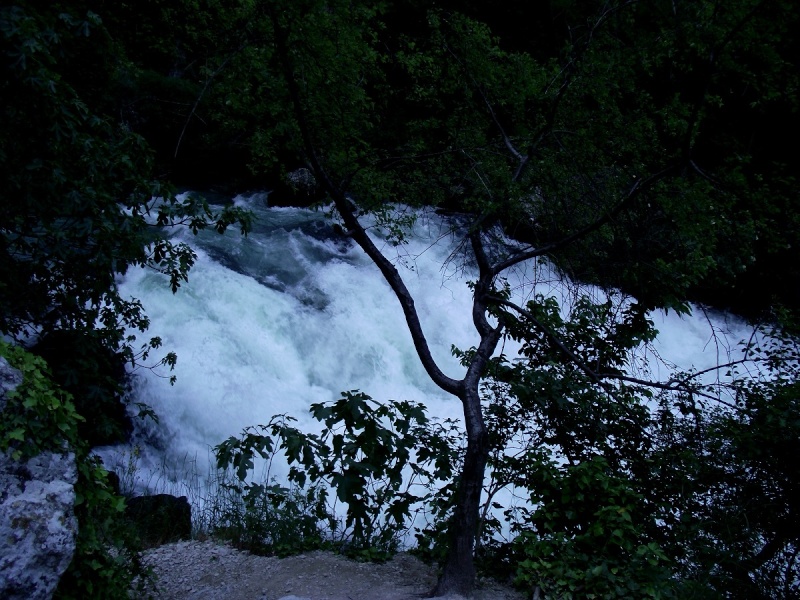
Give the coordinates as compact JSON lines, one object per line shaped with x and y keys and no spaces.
{"x":211,"y":571}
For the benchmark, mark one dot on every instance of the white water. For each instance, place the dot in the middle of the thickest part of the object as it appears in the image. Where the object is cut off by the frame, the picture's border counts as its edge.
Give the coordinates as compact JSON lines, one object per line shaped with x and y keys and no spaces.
{"x":291,"y":315}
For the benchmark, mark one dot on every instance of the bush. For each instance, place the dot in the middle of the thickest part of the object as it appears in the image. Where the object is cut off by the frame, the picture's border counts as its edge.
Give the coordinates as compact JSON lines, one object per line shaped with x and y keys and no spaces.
{"x":383,"y":462}
{"x":585,"y":539}
{"x":39,"y":417}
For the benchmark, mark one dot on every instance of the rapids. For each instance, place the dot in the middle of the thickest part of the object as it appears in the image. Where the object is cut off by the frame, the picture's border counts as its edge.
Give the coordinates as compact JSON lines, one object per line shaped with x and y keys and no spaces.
{"x":294,"y":314}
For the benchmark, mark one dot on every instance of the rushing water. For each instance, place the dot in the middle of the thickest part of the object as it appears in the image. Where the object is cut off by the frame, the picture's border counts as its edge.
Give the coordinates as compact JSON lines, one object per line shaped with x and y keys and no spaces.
{"x":294,"y":314}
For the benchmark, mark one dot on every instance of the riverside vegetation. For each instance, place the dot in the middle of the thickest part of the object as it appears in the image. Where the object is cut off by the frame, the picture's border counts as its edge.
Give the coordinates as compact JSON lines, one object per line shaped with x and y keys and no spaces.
{"x":637,"y":147}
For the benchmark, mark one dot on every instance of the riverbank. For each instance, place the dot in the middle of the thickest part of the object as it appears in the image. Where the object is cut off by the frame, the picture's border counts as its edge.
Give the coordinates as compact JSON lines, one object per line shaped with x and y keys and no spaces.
{"x":211,"y":571}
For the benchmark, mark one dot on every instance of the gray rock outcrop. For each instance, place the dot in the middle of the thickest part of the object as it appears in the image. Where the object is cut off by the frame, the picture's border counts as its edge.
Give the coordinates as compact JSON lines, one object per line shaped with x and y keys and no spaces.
{"x":38,"y":527}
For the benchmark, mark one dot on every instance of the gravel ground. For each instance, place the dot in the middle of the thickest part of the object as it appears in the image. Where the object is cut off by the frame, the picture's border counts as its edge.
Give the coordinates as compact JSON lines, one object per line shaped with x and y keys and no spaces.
{"x":211,"y":571}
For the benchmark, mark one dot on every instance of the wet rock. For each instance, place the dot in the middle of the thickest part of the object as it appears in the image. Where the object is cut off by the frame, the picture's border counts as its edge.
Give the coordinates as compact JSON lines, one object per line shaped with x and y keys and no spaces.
{"x":299,"y":188}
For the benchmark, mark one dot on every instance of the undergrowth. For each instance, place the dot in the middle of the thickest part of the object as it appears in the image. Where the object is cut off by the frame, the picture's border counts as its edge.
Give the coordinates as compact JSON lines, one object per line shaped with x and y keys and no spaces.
{"x":41,"y":417}
{"x":356,"y":488}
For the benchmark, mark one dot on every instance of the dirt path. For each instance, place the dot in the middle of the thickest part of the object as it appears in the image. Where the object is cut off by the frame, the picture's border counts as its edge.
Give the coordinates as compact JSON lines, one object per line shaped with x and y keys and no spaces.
{"x":209,"y":571}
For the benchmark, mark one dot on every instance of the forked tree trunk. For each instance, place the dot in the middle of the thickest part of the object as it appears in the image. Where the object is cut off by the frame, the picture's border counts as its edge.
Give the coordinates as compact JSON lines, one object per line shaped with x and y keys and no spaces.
{"x":458,"y":575}
{"x":459,"y":571}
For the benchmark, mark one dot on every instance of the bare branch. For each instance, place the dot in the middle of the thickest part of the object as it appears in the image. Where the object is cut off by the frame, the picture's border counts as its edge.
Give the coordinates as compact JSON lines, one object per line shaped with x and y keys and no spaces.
{"x":602,"y":379}
{"x":506,"y":139}
{"x":203,"y":91}
{"x":522,"y":159}
{"x":354,"y":227}
{"x":637,"y":188}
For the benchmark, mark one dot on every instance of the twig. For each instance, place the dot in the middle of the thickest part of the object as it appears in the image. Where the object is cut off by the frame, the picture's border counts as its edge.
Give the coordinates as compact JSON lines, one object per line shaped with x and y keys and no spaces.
{"x":202,"y":93}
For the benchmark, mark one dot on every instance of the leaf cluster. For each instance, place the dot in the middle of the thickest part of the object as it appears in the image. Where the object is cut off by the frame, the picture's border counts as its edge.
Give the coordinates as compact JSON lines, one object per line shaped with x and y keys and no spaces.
{"x":78,"y":207}
{"x":585,"y":539}
{"x":382,"y":460}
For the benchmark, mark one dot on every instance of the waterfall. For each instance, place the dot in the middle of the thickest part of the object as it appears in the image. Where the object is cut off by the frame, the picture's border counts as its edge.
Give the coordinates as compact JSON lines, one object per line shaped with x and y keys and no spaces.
{"x":294,"y":314}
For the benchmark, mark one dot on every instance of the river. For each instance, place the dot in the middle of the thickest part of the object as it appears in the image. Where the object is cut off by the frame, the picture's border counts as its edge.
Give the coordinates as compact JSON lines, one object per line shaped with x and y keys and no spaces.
{"x":295,"y":314}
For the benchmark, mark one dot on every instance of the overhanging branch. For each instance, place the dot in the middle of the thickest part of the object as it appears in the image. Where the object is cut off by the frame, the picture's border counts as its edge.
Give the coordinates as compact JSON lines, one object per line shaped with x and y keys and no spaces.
{"x":354,"y":227}
{"x":602,"y":379}
{"x":636,"y":189}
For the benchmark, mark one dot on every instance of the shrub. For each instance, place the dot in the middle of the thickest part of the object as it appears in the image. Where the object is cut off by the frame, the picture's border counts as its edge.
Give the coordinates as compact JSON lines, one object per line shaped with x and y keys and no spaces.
{"x":39,"y":417}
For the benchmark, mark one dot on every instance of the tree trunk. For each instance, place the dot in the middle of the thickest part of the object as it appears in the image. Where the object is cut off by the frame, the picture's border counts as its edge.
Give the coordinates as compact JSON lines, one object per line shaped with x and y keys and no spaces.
{"x":458,"y":576}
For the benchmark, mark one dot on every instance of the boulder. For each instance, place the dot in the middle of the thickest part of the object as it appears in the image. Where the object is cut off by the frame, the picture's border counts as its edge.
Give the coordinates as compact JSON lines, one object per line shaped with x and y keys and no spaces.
{"x":160,"y":519}
{"x":38,"y":526}
{"x":298,"y":188}
{"x":302,"y":181}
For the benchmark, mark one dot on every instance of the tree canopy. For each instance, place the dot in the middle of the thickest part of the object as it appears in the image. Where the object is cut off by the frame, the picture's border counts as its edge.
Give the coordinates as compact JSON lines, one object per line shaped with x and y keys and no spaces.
{"x":418,"y":103}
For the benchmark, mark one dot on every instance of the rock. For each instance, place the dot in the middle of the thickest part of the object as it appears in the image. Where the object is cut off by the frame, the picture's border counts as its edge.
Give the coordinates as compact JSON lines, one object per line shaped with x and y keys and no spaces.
{"x":114,"y":482}
{"x":10,"y":378}
{"x":38,"y":527}
{"x":302,"y":181}
{"x":299,"y":188}
{"x":160,"y":519}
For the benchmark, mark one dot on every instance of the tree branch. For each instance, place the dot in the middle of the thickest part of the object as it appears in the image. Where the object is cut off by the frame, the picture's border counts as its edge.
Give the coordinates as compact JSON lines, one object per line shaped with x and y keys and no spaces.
{"x":601,"y":379}
{"x":354,"y":227}
{"x":202,"y":93}
{"x":636,"y":189}
{"x":482,"y":287}
{"x":506,"y":140}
